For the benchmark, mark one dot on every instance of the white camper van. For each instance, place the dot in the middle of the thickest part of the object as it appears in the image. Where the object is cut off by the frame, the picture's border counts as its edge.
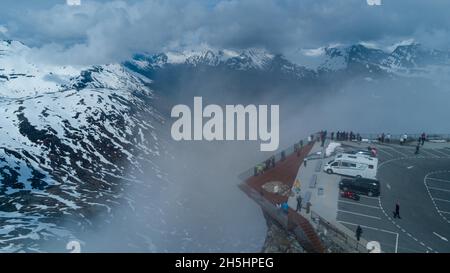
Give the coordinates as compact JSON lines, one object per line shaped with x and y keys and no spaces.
{"x":353,"y":165}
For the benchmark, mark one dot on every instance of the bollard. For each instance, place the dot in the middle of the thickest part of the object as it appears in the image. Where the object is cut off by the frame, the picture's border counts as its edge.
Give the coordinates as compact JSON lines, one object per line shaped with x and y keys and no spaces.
{"x":308,"y":207}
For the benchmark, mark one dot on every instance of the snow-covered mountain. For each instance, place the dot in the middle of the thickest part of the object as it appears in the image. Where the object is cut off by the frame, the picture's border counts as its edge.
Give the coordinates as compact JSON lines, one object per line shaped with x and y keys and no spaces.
{"x":405,"y":60}
{"x":243,"y":60}
{"x":70,"y":140}
{"x":19,"y":77}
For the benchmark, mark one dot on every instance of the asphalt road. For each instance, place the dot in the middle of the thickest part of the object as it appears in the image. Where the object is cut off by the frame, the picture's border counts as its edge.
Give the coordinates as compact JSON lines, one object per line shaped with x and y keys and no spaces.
{"x":421,"y":185}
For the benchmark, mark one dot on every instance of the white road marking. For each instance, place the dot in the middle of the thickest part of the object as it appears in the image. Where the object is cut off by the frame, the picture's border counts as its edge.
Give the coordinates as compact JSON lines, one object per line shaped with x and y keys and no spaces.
{"x":389,"y":154}
{"x":358,"y":204}
{"x":438,"y":179}
{"x":395,"y":150}
{"x":427,"y":152}
{"x":440,"y":236}
{"x":439,"y":189}
{"x":388,"y":186}
{"x":442,"y":200}
{"x":377,"y":229}
{"x":442,"y":153}
{"x":410,"y":167}
{"x":360,"y":214}
{"x":368,"y":197}
{"x":446,"y":212}
{"x":431,"y":196}
{"x":396,"y":243}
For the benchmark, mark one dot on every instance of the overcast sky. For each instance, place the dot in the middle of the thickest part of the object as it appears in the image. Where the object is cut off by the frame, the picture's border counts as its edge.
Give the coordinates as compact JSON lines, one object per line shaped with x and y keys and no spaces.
{"x":103,"y":31}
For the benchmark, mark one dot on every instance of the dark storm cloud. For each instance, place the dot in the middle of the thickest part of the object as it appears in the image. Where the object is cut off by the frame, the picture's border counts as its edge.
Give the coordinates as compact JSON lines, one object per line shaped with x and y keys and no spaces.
{"x":103,"y":31}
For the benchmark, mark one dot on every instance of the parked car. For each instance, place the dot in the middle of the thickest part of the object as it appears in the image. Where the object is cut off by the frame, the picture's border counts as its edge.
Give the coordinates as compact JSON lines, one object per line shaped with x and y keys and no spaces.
{"x":369,"y":187}
{"x":372,"y":152}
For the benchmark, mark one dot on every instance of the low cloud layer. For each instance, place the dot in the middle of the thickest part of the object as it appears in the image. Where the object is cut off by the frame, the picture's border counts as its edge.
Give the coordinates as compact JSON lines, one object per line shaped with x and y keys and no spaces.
{"x":103,"y":31}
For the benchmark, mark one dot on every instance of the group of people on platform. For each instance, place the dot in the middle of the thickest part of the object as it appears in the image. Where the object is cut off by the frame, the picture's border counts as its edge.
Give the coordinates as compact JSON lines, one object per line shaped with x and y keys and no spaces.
{"x":346,"y":136}
{"x":384,"y":138}
{"x":270,"y":162}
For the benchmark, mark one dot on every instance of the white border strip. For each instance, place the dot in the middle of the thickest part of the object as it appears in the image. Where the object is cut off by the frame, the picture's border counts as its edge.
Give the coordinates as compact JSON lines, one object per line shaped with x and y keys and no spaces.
{"x":358,"y":204}
{"x":360,"y":214}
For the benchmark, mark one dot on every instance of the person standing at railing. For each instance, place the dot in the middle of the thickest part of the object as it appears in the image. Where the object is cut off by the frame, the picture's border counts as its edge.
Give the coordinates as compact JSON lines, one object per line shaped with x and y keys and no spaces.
{"x":323,"y":136}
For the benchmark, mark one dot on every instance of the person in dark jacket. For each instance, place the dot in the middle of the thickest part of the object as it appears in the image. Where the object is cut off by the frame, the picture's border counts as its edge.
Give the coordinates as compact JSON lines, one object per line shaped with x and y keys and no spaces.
{"x":423,"y":137}
{"x":299,"y":203}
{"x":358,"y":232}
{"x":397,"y":211}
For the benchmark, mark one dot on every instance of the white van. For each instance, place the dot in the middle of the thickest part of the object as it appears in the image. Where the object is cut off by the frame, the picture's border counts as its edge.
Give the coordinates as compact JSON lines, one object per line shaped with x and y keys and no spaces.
{"x":353,"y":165}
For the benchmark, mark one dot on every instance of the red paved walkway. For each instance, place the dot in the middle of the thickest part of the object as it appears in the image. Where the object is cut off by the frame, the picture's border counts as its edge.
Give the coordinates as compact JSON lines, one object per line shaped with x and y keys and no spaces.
{"x":284,"y":171}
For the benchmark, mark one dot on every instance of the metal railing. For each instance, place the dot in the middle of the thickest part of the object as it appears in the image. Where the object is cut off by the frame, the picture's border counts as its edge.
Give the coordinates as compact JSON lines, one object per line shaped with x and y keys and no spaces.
{"x":278,"y":156}
{"x":396,"y":137}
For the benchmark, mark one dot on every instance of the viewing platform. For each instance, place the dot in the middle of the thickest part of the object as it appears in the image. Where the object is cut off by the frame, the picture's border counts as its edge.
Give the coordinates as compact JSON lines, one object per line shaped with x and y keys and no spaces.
{"x":327,"y":222}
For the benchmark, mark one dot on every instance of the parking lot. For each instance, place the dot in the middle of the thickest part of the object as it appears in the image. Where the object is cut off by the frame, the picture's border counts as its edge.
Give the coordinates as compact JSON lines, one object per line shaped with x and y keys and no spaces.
{"x":421,"y":185}
{"x":367,"y":213}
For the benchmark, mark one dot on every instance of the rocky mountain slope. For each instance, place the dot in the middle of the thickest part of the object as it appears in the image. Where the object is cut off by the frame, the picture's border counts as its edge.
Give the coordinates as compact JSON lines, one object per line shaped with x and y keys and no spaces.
{"x":70,"y":140}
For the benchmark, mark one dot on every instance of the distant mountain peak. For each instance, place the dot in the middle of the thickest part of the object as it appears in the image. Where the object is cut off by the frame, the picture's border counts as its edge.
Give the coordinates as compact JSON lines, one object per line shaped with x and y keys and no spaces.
{"x":405,"y":58}
{"x":252,"y":58}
